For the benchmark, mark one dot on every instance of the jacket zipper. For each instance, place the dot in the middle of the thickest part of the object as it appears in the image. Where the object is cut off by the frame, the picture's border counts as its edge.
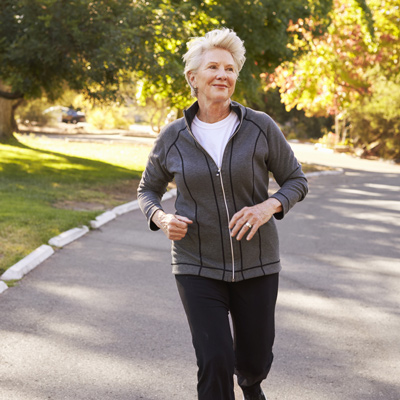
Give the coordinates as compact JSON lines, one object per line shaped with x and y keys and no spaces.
{"x":227,"y":214}
{"x":223,"y":190}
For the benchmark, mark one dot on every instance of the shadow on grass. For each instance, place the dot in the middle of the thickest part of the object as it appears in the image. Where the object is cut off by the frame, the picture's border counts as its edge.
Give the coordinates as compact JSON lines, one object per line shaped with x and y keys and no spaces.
{"x":65,"y":167}
{"x":44,"y":193}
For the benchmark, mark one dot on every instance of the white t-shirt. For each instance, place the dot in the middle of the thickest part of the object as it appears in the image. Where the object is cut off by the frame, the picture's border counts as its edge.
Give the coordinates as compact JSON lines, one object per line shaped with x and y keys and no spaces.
{"x":214,"y":137}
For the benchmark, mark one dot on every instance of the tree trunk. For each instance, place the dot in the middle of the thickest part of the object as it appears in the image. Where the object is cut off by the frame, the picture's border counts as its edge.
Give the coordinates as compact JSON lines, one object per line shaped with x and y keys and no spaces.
{"x":337,"y":126}
{"x":15,"y":105}
{"x":7,"y":123}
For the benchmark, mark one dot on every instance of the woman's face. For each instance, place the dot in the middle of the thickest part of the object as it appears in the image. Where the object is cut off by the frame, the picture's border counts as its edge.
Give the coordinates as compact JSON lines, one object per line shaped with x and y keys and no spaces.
{"x":216,"y":77}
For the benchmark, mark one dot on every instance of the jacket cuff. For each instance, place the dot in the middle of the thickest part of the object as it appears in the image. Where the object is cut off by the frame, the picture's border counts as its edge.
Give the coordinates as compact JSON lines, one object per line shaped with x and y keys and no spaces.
{"x":152,"y":225}
{"x":285,"y":205}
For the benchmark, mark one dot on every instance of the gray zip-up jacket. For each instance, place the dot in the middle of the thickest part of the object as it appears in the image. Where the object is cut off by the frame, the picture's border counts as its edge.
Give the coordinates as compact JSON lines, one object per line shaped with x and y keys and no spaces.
{"x":210,"y":196}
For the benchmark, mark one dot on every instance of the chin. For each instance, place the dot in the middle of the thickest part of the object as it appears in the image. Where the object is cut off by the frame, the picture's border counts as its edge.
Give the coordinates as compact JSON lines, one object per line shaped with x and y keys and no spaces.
{"x":221,"y":98}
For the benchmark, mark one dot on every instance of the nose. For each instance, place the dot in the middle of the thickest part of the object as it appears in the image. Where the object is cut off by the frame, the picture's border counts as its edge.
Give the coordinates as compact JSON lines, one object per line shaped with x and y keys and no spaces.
{"x":221,"y":73}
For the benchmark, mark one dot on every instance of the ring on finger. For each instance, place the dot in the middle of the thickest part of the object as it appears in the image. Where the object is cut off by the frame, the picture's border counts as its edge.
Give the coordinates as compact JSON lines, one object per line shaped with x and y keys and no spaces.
{"x":248,"y":225}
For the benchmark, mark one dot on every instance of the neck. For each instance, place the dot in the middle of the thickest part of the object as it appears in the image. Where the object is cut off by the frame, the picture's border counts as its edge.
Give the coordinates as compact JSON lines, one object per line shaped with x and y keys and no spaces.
{"x":213,"y":113}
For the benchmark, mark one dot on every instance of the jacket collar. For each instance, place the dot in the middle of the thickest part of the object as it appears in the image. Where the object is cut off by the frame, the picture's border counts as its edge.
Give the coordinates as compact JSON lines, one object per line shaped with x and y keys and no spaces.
{"x":191,"y":112}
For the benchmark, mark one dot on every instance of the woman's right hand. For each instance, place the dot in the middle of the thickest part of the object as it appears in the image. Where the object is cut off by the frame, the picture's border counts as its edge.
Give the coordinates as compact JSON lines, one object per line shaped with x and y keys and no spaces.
{"x":174,"y":226}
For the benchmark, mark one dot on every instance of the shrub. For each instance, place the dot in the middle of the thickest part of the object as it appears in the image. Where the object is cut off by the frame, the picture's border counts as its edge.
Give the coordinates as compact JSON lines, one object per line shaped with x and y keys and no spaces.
{"x":375,"y":124}
{"x":32,"y":112}
{"x":108,"y":118}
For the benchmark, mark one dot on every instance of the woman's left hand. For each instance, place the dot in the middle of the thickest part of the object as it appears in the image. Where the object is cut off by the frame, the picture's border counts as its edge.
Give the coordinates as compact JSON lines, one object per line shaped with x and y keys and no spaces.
{"x":254,"y":216}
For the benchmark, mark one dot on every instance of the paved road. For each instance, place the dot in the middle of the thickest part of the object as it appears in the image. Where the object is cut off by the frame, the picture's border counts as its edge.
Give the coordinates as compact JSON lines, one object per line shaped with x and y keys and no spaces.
{"x":101,"y":318}
{"x":338,"y":312}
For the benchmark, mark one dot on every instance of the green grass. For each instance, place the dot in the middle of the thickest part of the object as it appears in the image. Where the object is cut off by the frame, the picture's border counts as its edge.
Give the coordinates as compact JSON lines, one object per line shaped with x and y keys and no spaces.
{"x":50,"y":186}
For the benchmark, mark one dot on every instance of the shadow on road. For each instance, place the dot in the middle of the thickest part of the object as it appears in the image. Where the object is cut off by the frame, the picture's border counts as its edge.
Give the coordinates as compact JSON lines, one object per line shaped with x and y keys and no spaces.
{"x":338,"y":308}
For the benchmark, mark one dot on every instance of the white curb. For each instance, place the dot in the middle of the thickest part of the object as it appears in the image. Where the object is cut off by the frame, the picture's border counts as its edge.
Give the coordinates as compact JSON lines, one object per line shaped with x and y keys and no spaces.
{"x":124,"y":208}
{"x":3,"y":287}
{"x":102,"y":219}
{"x":168,"y":195}
{"x":69,"y":236}
{"x":21,"y":268}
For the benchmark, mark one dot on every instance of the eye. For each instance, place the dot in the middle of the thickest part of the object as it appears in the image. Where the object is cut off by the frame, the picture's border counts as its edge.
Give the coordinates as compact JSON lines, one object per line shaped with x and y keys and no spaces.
{"x":230,"y":69}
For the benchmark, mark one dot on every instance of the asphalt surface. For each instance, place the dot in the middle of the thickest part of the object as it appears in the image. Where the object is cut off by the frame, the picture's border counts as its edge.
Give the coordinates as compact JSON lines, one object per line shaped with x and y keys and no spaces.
{"x":101,"y":318}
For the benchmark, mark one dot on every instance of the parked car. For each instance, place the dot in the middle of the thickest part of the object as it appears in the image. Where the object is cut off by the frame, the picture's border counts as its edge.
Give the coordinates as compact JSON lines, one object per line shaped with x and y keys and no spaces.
{"x":66,"y":114}
{"x":72,"y":116}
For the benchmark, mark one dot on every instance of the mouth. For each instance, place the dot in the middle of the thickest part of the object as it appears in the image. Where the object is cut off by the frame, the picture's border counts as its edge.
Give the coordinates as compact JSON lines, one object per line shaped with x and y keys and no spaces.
{"x":221,"y":86}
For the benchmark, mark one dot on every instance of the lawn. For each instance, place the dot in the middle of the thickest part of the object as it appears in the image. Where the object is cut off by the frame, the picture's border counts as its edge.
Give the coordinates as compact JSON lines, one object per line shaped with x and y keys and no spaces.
{"x":50,"y":186}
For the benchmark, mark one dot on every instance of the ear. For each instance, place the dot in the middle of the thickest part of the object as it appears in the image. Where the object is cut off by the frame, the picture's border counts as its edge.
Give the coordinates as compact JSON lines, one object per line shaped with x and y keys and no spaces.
{"x":192,"y":78}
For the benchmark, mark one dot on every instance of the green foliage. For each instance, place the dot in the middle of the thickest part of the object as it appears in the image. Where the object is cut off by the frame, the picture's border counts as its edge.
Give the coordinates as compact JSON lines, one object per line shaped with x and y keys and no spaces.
{"x":91,"y":45}
{"x":96,"y":47}
{"x":339,"y":71}
{"x":330,"y":76}
{"x":48,"y":42}
{"x":376,"y":121}
{"x":263,"y":26}
{"x":32,"y":111}
{"x":294,"y":124}
{"x":111,"y":117}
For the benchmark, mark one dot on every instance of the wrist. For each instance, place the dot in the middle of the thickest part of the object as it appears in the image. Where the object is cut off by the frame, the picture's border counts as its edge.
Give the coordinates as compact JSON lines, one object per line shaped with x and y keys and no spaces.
{"x":275,"y":205}
{"x":157,"y":218}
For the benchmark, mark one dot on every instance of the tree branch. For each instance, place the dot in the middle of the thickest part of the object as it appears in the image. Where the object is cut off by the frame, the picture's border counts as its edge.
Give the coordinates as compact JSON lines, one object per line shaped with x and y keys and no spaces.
{"x":11,"y":96}
{"x":17,"y":104}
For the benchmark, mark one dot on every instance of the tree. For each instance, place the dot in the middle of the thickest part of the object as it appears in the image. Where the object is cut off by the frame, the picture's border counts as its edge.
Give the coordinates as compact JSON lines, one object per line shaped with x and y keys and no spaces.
{"x":94,"y":46}
{"x":262,"y":24}
{"x":48,"y":44}
{"x":339,"y":70}
{"x":329,"y":76}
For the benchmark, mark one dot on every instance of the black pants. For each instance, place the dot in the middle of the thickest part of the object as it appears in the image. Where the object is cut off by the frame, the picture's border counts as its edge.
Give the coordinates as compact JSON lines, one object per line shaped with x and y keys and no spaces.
{"x":251,"y":304}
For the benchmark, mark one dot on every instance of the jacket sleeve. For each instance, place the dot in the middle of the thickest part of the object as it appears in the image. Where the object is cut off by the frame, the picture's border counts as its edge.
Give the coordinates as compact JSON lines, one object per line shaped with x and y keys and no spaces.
{"x":287,"y":171}
{"x":154,"y":182}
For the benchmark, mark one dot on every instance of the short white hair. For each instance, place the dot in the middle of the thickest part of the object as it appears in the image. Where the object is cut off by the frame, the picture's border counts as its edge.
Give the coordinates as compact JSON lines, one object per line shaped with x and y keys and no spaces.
{"x":225,"y":39}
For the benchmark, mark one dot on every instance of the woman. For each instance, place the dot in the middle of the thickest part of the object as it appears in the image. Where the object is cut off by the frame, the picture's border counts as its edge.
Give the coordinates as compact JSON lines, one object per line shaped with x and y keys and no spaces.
{"x":225,"y":253}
